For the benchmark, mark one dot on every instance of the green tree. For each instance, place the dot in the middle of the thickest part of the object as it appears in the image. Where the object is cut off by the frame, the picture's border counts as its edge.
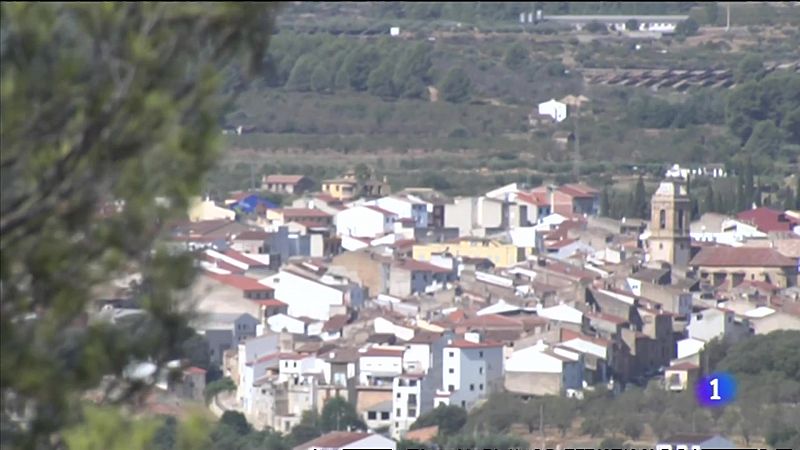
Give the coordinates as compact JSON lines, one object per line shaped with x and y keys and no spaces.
{"x":195,"y":349}
{"x":516,"y":57}
{"x":640,"y":202}
{"x":765,"y":140}
{"x":215,"y":387}
{"x":358,"y":64}
{"x":791,"y":125}
{"x":322,"y":78}
{"x":413,"y":71}
{"x":309,"y":428}
{"x":300,"y":76}
{"x":711,"y":12}
{"x":407,"y":444}
{"x":449,"y":418}
{"x":605,"y":203}
{"x":456,"y":86}
{"x":797,"y":193}
{"x":688,"y":27}
{"x":236,"y":421}
{"x":339,"y":414}
{"x":93,"y":97}
{"x":380,"y":82}
{"x":708,"y":203}
{"x":751,"y":67}
{"x":632,"y":25}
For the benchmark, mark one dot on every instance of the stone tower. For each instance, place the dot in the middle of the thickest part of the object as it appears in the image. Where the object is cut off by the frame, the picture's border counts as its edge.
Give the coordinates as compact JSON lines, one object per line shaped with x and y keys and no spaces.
{"x":669,"y":239}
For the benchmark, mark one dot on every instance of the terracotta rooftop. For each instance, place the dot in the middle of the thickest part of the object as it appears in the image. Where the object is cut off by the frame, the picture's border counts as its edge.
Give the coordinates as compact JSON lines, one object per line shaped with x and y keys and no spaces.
{"x":567,"y":334}
{"x":335,"y":323}
{"x":302,"y":212}
{"x":420,"y":266}
{"x":424,"y":337}
{"x":608,"y":318}
{"x":242,"y":258}
{"x":741,"y":257}
{"x":465,"y":344}
{"x":239,"y":282}
{"x":491,"y":320}
{"x":684,"y":366}
{"x":283,"y":179}
{"x":767,"y":219}
{"x":534,"y":198}
{"x":335,"y":439}
{"x":561,"y":244}
{"x":253,"y":236}
{"x":377,"y":351}
{"x":269,"y":303}
{"x":578,"y":190}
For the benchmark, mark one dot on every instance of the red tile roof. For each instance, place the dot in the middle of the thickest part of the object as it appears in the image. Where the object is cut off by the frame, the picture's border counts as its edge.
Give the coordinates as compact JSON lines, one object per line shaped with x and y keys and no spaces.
{"x":465,"y":344}
{"x":741,"y":257}
{"x":768,"y":219}
{"x":335,"y":439}
{"x":283,"y":179}
{"x":253,"y":236}
{"x":378,"y":351}
{"x":270,"y":303}
{"x":420,"y":266}
{"x":335,"y":323}
{"x":195,"y":371}
{"x":233,"y":254}
{"x":220,"y":264}
{"x":684,"y":366}
{"x":561,"y":244}
{"x":241,"y":282}
{"x":534,"y":198}
{"x":608,"y":318}
{"x":302,"y":212}
{"x":760,"y":285}
{"x":567,"y":334}
{"x":579,"y":190}
{"x":491,"y":320}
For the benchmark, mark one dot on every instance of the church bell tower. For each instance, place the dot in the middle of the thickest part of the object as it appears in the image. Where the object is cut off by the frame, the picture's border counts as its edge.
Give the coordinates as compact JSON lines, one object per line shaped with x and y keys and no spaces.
{"x":670,"y":210}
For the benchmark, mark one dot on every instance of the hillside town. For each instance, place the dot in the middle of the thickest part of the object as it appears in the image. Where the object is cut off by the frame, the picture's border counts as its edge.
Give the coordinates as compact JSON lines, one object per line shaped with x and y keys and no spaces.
{"x":403,"y":301}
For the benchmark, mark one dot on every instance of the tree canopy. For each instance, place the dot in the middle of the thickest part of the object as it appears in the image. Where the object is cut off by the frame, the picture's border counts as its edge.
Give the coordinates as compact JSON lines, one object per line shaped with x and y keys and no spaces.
{"x":98,"y":103}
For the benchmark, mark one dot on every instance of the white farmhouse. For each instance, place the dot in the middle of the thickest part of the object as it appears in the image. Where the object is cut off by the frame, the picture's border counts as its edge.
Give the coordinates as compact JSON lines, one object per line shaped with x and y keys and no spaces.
{"x":554,"y":109}
{"x":471,"y":370}
{"x":365,"y":221}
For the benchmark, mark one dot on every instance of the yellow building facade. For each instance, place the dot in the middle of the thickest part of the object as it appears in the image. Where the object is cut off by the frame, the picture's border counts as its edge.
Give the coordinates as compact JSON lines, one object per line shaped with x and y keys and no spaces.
{"x":501,"y":254}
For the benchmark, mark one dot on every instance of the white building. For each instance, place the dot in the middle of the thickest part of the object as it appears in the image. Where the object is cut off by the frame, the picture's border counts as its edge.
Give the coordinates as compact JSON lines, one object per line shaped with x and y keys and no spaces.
{"x":470,"y":371}
{"x":560,"y":313}
{"x":378,"y":365}
{"x":317,"y":298}
{"x":366,"y":221}
{"x":405,"y":207}
{"x":554,"y":109}
{"x":710,"y":323}
{"x":544,"y":370}
{"x":340,"y":440}
{"x":407,"y":395}
{"x":255,"y":356}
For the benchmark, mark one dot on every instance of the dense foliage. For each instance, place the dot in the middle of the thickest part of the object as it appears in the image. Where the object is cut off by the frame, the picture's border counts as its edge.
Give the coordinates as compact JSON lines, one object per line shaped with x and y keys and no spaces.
{"x":101,"y":102}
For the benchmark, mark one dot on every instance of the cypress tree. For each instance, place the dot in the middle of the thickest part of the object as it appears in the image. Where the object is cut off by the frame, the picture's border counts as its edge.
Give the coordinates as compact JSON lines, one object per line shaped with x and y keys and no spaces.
{"x":605,"y":203}
{"x":709,"y":202}
{"x":639,"y":200}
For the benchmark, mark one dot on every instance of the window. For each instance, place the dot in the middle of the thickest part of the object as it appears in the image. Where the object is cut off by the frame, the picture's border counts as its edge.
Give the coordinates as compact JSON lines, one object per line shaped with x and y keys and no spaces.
{"x":463,"y":404}
{"x":451,"y":388}
{"x":295,"y":364}
{"x":372,"y":415}
{"x":471,"y":387}
{"x":398,"y":395}
{"x":662,"y":219}
{"x":481,"y":387}
{"x":398,"y":412}
{"x":412,"y":413}
{"x":452,"y":354}
{"x":480,"y":370}
{"x":451,"y":370}
{"x":480,"y":354}
{"x":412,"y":383}
{"x":385,"y":415}
{"x":680,"y":219}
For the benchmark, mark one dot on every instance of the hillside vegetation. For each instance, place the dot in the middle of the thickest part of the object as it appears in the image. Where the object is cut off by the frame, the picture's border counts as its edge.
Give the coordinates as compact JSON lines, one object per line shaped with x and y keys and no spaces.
{"x":444,"y":97}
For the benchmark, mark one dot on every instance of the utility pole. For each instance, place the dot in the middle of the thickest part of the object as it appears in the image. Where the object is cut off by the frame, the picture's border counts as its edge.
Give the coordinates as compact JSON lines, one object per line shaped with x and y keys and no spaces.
{"x":541,"y":425}
{"x":728,"y":22}
{"x":252,"y":178}
{"x":576,"y":168}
